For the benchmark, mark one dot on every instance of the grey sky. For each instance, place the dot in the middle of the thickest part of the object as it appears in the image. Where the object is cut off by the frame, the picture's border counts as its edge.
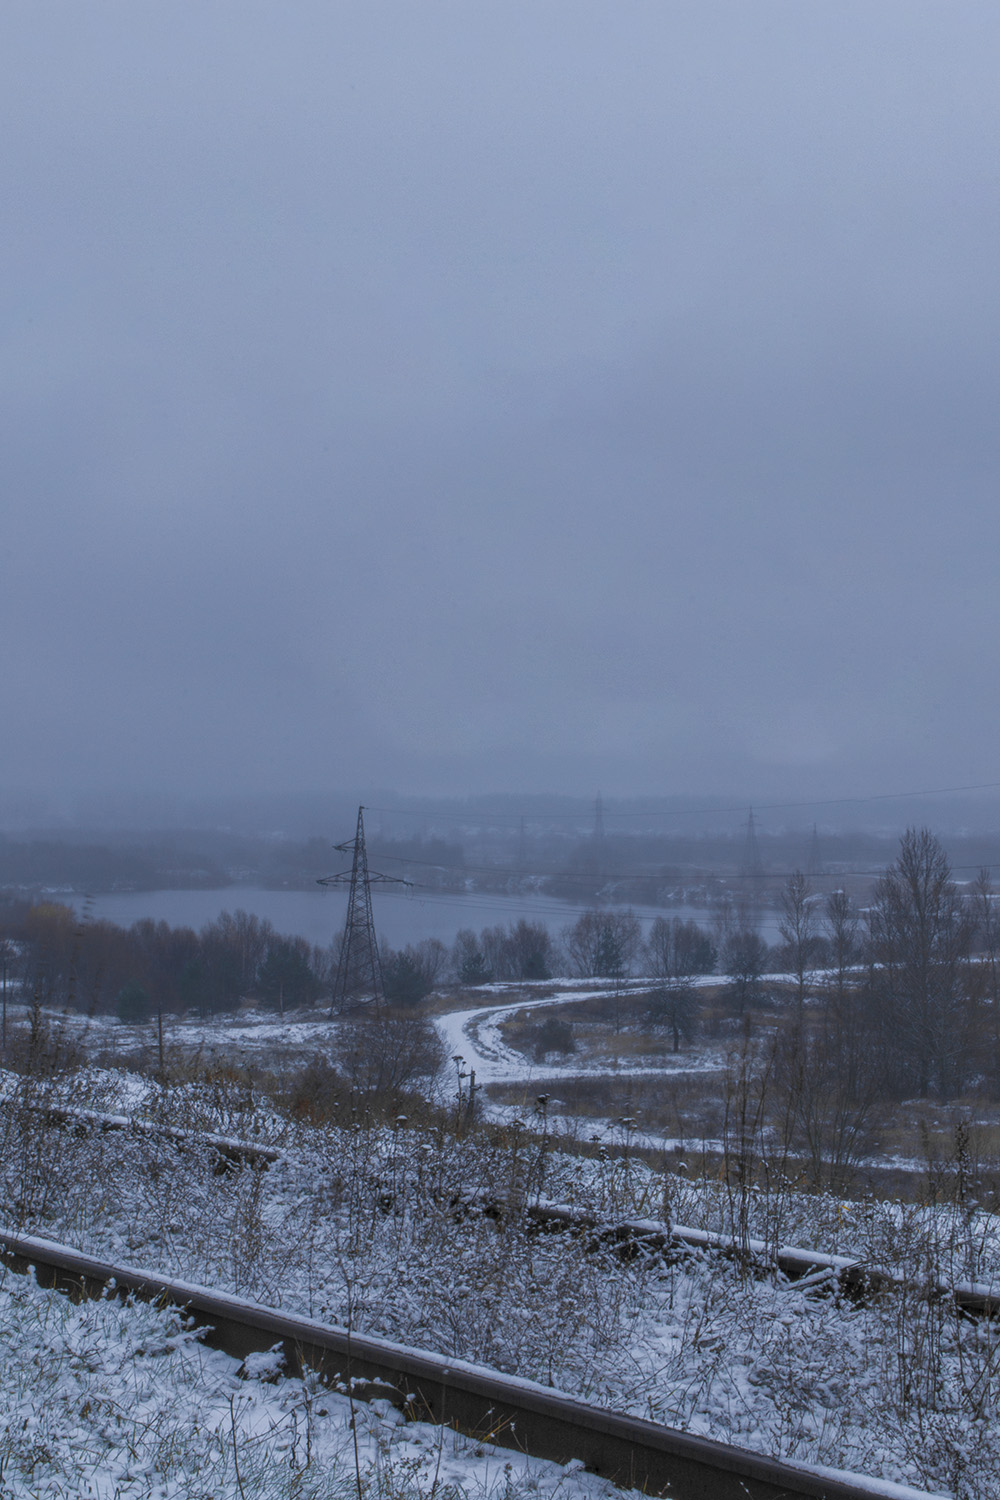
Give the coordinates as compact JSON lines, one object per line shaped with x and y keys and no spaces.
{"x":527,"y":395}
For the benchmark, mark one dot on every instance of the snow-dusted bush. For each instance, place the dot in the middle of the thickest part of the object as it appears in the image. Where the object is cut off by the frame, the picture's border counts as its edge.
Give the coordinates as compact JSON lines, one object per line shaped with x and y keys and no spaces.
{"x":103,"y":1399}
{"x":419,"y":1233}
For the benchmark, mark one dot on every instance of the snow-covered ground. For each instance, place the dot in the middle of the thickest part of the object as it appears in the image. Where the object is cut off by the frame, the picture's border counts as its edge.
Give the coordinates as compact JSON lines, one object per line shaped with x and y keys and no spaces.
{"x":379,"y":1227}
{"x":475,"y":1036}
{"x":365,"y":1223}
{"x":102,"y":1401}
{"x":243,"y":1031}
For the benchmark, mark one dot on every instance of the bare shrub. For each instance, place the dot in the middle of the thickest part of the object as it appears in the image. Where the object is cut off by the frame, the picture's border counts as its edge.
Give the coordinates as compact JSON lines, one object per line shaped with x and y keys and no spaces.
{"x":385,"y":1051}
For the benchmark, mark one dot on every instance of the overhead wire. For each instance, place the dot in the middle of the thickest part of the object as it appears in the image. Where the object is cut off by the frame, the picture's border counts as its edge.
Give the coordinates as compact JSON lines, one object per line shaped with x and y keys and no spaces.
{"x":543,"y":903}
{"x":612,"y":878}
{"x":533,"y":906}
{"x":682,"y":812}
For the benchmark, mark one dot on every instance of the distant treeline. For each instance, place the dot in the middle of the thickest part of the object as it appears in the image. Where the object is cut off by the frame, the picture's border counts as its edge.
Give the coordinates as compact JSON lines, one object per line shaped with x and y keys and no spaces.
{"x":51,"y":863}
{"x":903,"y":994}
{"x":620,"y":867}
{"x":98,"y":967}
{"x":203,"y":861}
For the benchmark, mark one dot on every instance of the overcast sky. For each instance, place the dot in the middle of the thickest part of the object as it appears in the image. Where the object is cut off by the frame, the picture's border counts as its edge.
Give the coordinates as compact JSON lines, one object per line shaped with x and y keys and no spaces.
{"x":540,"y":395}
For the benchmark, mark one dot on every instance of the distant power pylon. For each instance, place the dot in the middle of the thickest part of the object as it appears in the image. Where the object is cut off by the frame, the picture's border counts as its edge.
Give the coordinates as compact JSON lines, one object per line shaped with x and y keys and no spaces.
{"x":599,"y":845}
{"x":753,"y":865}
{"x":814,"y":864}
{"x":752,"y":871}
{"x":359,"y":967}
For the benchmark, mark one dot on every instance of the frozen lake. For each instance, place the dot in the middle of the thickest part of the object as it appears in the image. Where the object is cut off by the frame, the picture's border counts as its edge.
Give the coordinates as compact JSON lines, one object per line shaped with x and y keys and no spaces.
{"x":400,"y":918}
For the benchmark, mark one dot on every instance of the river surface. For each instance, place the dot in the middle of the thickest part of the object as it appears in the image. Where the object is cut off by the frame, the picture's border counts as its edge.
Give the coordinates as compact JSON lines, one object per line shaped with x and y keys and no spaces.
{"x":399,"y":918}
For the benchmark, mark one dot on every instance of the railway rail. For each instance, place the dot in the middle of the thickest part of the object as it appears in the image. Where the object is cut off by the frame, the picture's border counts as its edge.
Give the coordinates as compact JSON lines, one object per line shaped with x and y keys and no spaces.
{"x":856,"y":1278}
{"x":229,"y":1149}
{"x":472,"y":1399}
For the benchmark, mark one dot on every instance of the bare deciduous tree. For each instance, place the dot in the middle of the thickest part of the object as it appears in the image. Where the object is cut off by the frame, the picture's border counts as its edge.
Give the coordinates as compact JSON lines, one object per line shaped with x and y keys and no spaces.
{"x":920,"y":939}
{"x":797,"y":925}
{"x":675,"y":1006}
{"x":676,"y":949}
{"x":841,"y":921}
{"x":744,"y":955}
{"x":603,"y":944}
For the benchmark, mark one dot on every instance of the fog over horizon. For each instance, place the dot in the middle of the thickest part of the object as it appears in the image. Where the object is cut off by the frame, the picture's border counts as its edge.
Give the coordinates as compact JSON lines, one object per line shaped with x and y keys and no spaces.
{"x":532,"y":399}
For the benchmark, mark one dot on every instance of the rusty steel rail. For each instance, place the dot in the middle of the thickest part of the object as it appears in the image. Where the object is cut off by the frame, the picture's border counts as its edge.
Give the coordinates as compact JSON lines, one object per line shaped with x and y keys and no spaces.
{"x":479,"y":1402}
{"x":857,"y":1278}
{"x":633,"y":1235}
{"x":86,"y":1121}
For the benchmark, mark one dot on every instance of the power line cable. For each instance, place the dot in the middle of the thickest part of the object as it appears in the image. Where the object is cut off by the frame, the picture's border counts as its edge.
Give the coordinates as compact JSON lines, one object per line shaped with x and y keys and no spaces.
{"x":494,"y":903}
{"x":623,"y":876}
{"x":685,"y":812}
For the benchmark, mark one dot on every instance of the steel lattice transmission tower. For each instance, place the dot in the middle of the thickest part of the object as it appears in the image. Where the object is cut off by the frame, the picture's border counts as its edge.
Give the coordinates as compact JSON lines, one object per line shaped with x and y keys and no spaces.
{"x":359,"y":967}
{"x":600,"y":848}
{"x":752,"y":872}
{"x":814,"y":864}
{"x":752,"y":867}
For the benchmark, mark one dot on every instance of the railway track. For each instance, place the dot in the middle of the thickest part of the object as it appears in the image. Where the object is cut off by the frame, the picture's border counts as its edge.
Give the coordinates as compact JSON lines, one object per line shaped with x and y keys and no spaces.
{"x":857,"y":1279}
{"x":479,"y":1402}
{"x":229,"y":1149}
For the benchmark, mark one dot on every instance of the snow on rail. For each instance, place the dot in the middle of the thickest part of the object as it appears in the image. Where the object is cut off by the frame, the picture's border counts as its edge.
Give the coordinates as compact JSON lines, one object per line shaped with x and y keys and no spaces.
{"x":513,"y":1411}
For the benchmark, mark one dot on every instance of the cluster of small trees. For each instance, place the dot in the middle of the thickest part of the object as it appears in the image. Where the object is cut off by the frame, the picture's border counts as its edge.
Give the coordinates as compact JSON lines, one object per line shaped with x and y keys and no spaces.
{"x":409,"y":974}
{"x":152,"y":968}
{"x":601,"y":944}
{"x":521,"y":950}
{"x":904,"y":996}
{"x":905,"y":999}
{"x":931,"y":975}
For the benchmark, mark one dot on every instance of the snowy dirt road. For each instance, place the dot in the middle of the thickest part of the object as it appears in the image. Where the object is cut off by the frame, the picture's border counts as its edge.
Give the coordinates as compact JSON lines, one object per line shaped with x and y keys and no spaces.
{"x":476,"y":1037}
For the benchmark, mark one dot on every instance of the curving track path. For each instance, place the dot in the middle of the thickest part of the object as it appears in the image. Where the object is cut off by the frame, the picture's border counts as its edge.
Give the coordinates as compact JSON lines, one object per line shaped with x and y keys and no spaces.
{"x":475,"y":1035}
